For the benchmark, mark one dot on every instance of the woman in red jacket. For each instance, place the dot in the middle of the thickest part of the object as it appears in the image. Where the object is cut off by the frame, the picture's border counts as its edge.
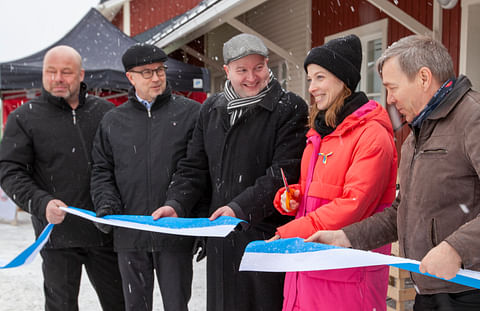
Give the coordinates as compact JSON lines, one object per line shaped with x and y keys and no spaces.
{"x":348,"y":173}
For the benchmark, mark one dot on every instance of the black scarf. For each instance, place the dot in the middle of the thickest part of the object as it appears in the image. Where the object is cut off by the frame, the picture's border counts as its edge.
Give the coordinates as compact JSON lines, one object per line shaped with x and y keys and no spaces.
{"x":433,"y":103}
{"x":352,"y":103}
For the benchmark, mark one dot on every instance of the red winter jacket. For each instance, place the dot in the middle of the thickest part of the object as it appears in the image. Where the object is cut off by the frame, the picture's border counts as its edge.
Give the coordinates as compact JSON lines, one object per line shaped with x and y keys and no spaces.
{"x":354,"y":171}
{"x":346,"y":177}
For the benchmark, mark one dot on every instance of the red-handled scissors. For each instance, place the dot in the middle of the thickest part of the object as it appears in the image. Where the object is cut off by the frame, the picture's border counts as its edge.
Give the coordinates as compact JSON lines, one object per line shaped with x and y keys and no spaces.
{"x":288,"y":194}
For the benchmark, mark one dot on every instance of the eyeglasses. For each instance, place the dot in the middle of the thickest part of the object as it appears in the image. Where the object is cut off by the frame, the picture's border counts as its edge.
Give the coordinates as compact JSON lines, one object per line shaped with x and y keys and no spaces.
{"x":148,"y":73}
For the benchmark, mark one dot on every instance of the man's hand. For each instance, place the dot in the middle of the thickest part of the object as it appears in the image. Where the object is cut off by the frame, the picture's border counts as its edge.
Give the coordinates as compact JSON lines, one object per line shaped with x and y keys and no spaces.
{"x":164,"y":211}
{"x":443,"y":261}
{"x":53,"y":213}
{"x":331,"y":237}
{"x":222,"y":211}
{"x":101,"y":212}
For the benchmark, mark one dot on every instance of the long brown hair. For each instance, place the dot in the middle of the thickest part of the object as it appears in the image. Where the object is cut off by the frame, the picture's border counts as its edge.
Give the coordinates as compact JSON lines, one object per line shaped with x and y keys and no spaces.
{"x":332,"y":111}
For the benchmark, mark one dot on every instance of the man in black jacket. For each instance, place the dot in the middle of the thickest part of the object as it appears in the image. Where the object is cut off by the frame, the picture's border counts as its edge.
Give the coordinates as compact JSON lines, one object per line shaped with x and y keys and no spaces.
{"x":243,"y":137}
{"x":135,"y":153}
{"x":45,"y":163}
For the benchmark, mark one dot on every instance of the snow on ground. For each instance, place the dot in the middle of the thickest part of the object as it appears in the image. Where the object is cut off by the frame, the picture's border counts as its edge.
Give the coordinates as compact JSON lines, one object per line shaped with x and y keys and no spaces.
{"x":21,"y":289}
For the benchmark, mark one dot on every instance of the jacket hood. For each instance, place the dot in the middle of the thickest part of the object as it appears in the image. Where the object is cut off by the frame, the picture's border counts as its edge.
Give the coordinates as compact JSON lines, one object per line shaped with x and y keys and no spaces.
{"x":370,"y":111}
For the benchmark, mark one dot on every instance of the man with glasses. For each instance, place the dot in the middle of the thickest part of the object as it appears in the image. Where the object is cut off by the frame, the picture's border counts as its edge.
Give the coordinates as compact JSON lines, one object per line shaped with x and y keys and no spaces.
{"x":135,"y":153}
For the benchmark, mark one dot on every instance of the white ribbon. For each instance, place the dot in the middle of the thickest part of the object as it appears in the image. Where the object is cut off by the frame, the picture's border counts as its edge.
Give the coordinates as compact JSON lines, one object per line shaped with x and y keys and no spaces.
{"x":27,"y":256}
{"x":289,"y":255}
{"x":219,"y":227}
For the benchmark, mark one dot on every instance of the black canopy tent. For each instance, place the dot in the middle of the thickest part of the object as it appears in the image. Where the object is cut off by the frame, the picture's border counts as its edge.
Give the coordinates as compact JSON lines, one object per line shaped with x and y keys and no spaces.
{"x":101,"y":45}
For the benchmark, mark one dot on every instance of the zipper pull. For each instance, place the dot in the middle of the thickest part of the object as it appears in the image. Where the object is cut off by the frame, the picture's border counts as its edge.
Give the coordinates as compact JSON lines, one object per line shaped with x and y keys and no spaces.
{"x":74,"y":117}
{"x":149,"y":113}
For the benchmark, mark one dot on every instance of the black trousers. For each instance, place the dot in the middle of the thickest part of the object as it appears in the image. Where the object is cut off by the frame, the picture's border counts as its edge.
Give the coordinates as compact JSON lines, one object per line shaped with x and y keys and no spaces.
{"x":464,"y":301}
{"x":62,"y":271}
{"x":229,"y":289}
{"x":174,"y":273}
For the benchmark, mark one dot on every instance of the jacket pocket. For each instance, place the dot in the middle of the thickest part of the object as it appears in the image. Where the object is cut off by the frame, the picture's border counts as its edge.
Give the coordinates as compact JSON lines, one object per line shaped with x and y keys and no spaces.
{"x":325,"y":190}
{"x":433,"y":236}
{"x":433,"y":153}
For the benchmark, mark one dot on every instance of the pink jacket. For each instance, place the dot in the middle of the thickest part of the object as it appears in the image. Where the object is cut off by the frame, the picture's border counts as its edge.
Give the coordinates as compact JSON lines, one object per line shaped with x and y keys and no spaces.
{"x":355,"y":180}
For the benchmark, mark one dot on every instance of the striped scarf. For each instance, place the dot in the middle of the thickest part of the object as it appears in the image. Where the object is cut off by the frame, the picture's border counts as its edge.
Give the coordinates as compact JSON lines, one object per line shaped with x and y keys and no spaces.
{"x":237,"y":105}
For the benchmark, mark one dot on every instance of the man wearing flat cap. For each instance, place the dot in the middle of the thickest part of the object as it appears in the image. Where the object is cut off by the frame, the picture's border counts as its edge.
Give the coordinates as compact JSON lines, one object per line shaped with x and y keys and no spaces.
{"x":135,"y":153}
{"x":243,"y":137}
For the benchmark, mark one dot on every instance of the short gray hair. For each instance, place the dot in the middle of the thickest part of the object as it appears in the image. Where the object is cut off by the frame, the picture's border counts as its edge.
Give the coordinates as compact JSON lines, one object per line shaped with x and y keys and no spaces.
{"x":417,"y":51}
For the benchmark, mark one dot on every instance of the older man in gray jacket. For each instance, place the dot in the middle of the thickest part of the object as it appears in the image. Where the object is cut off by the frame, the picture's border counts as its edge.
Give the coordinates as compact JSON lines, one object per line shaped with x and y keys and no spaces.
{"x":436,"y":214}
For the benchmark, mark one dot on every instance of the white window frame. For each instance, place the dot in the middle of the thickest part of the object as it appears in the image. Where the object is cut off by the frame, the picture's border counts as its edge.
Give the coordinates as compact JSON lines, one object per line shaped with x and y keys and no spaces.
{"x":368,"y":32}
{"x":465,"y":34}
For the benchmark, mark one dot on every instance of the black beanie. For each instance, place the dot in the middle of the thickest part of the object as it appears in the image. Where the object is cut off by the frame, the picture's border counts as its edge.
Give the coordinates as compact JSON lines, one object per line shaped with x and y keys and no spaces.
{"x":341,"y":56}
{"x":142,"y":54}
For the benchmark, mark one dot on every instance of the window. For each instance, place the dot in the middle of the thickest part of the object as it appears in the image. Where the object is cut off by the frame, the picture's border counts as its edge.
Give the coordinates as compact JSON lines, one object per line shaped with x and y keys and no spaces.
{"x":372,"y":84}
{"x":469,"y":43}
{"x":280,"y":71}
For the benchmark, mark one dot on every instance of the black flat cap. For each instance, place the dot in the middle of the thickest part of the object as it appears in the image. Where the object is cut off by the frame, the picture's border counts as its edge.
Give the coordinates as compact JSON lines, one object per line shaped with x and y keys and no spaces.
{"x":142,"y":54}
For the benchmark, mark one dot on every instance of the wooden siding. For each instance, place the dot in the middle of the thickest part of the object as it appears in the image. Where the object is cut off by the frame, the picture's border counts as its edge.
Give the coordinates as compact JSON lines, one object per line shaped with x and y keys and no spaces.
{"x":145,"y":14}
{"x":287,"y":23}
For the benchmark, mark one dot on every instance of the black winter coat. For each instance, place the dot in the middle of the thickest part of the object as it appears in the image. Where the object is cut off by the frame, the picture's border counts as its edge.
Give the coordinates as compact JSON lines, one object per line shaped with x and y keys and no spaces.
{"x":135,"y":154}
{"x":45,"y":154}
{"x":242,"y":165}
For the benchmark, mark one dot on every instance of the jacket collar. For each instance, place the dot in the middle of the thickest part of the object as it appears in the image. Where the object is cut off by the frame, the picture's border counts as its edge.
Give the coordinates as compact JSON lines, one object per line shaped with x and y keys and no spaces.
{"x":462,"y":86}
{"x":159,"y":101}
{"x":60,"y":102}
{"x":369,"y":111}
{"x":268,"y":102}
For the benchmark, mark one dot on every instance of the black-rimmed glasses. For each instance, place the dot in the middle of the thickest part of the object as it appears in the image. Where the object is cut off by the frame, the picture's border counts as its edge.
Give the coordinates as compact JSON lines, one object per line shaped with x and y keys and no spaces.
{"x":148,"y":73}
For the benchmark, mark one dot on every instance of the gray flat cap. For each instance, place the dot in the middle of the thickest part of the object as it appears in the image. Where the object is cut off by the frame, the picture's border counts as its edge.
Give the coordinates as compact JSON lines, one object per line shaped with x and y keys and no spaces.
{"x":243,"y":45}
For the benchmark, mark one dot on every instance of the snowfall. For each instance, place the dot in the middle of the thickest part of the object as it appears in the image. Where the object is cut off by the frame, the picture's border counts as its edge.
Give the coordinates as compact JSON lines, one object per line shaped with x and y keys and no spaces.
{"x":21,"y":289}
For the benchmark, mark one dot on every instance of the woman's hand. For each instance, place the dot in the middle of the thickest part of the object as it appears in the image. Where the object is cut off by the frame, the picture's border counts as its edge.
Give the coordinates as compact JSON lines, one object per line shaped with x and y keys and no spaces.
{"x":293,"y":200}
{"x":273,"y":238}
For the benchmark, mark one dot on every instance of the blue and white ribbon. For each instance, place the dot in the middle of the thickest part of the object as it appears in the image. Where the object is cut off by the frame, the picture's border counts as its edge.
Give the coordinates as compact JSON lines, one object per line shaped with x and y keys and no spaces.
{"x":219,"y":227}
{"x":289,"y":255}
{"x":30,"y":252}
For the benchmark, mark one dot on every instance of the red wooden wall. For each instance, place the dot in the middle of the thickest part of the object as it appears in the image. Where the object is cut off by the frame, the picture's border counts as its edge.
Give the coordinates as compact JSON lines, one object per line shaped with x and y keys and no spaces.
{"x":145,"y":14}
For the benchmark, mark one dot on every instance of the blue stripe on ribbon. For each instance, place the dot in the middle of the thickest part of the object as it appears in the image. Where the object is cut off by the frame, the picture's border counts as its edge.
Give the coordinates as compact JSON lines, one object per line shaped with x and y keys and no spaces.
{"x":286,"y":246}
{"x":459,"y":279}
{"x":298,"y":246}
{"x":170,"y":222}
{"x":33,"y":249}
